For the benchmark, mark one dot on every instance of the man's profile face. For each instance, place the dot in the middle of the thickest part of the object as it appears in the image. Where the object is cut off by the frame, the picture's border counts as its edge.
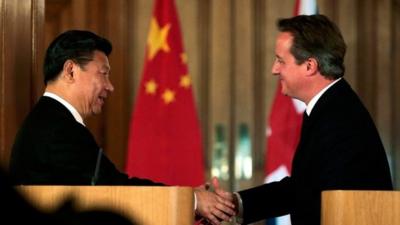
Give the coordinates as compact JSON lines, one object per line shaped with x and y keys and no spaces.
{"x":93,"y":84}
{"x":284,"y":66}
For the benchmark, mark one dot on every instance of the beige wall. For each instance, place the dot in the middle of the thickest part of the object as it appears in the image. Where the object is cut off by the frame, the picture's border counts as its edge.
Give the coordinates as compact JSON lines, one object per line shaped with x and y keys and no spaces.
{"x":230,"y":50}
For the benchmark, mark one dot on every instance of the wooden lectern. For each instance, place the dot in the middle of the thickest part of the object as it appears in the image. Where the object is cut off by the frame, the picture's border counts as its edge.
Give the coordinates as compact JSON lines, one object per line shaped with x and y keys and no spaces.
{"x":360,"y":208}
{"x":144,"y":205}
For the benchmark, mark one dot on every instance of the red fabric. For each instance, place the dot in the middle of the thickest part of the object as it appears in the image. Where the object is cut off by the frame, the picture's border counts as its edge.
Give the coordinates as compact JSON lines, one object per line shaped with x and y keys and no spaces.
{"x":285,"y":127}
{"x":165,"y":140}
{"x":296,"y":8}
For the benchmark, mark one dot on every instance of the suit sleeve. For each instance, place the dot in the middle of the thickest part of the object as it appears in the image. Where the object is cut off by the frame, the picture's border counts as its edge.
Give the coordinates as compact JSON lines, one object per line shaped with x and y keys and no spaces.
{"x":110,"y":175}
{"x":268,"y":200}
{"x":76,"y":160}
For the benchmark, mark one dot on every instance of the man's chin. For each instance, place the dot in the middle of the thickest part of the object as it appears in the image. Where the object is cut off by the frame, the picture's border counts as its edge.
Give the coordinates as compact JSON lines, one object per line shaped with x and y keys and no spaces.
{"x":96,"y":111}
{"x":284,"y":92}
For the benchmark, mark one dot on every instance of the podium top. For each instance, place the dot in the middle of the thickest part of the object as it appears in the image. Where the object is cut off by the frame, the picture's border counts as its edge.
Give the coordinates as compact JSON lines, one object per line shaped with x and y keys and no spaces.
{"x":145,"y":205}
{"x":360,"y":207}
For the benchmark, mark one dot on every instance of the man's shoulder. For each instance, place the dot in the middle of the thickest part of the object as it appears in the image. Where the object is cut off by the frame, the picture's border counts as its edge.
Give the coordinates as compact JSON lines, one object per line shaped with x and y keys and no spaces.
{"x":49,"y":111}
{"x":339,"y":100}
{"x":341,"y":114}
{"x":47,"y":119}
{"x":48,"y":105}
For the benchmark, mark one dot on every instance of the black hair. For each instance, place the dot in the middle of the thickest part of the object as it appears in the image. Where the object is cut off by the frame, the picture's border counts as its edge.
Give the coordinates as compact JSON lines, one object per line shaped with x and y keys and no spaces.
{"x":75,"y":45}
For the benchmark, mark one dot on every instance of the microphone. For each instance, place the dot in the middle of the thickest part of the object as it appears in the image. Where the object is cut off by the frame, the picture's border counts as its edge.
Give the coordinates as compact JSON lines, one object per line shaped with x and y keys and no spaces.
{"x":97,"y":168}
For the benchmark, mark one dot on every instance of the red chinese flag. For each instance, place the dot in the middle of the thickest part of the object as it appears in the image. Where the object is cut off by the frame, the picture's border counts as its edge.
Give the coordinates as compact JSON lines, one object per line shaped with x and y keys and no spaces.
{"x":165,"y":140}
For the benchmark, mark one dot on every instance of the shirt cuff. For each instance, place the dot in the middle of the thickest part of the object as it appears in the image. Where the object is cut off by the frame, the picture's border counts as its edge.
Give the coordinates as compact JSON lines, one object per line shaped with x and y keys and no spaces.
{"x":195,"y":201}
{"x":239,"y":217}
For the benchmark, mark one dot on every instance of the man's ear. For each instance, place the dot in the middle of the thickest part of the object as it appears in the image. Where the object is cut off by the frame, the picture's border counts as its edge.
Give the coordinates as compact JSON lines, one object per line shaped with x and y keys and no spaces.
{"x":312,"y":66}
{"x":68,"y":70}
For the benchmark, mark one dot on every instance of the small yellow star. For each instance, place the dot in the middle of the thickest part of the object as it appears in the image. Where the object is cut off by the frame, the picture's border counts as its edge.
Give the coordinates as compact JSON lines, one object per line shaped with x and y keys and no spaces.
{"x":185,"y":81}
{"x":184,"y":58}
{"x":151,"y":87}
{"x":157,"y":39}
{"x":168,"y":96}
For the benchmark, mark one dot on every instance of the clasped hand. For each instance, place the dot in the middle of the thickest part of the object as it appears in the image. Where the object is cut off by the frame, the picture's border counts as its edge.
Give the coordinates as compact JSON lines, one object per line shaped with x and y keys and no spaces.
{"x":214,"y":204}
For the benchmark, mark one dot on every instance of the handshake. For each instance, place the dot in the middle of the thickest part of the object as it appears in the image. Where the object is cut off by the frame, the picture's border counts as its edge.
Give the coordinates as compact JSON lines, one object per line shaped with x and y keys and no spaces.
{"x":214,"y":204}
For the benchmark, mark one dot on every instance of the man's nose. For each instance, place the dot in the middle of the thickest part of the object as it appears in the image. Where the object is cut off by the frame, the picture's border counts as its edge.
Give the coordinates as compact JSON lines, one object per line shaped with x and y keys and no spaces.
{"x":275,"y":68}
{"x":109,"y":86}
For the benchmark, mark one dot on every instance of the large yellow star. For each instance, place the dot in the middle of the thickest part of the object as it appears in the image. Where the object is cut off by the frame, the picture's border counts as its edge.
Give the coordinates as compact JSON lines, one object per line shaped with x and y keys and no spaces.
{"x":185,"y":81}
{"x":168,"y":96}
{"x":157,"y":39}
{"x":151,"y":87}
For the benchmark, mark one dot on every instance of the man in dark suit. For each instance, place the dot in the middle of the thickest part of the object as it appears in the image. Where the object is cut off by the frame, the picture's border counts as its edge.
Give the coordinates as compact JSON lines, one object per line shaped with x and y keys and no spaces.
{"x":339,"y":147}
{"x":53,"y":145}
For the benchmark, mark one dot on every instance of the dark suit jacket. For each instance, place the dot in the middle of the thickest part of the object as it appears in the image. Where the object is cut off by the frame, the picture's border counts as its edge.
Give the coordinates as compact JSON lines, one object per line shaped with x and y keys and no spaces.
{"x":339,"y":148}
{"x":51,"y":147}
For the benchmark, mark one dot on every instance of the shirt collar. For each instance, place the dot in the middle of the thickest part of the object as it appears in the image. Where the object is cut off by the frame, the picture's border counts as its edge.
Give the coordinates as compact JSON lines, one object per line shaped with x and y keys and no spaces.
{"x":70,"y":108}
{"x":315,"y":99}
